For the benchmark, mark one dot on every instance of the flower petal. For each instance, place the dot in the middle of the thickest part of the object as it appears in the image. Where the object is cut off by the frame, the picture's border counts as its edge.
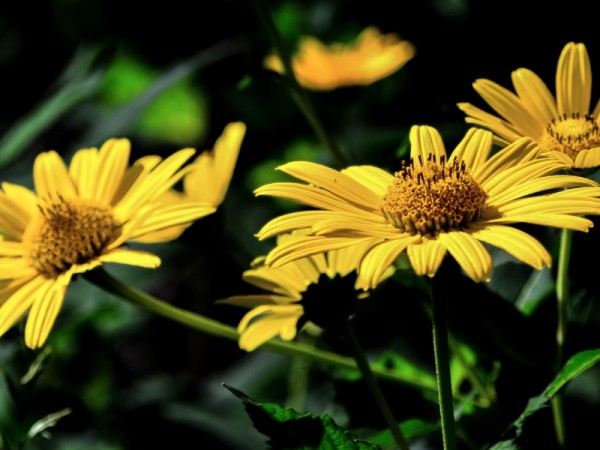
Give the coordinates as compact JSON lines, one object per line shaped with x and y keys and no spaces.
{"x":426,"y":257}
{"x":131,"y":258}
{"x":377,"y":261}
{"x":573,"y":80}
{"x":425,"y":141}
{"x":51,"y":176}
{"x":470,"y":254}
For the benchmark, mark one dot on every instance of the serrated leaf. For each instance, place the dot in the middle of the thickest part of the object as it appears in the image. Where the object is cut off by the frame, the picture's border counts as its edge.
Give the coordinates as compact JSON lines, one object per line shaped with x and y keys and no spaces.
{"x":289,"y":429}
{"x":576,"y":365}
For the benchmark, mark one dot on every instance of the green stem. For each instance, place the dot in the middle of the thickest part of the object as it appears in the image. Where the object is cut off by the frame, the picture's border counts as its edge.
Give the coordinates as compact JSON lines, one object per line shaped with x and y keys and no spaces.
{"x":562,"y":298}
{"x":365,"y":368}
{"x":442,"y":369}
{"x":297,"y":92}
{"x":106,"y":281}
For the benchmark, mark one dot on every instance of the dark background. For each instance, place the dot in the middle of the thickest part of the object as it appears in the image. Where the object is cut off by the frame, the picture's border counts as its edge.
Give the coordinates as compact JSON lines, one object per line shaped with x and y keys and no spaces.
{"x":135,"y":380}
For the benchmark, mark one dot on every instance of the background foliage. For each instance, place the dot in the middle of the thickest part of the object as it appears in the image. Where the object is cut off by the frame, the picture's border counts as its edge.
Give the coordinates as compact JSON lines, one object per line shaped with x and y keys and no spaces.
{"x":172,"y":76}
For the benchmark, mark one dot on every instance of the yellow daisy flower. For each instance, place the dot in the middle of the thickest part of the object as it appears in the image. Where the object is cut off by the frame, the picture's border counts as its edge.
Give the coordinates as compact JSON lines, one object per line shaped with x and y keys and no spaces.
{"x":314,"y":289}
{"x":207,"y":180}
{"x":433,"y":205}
{"x":371,"y":57}
{"x":77,"y":219}
{"x":565,"y":127}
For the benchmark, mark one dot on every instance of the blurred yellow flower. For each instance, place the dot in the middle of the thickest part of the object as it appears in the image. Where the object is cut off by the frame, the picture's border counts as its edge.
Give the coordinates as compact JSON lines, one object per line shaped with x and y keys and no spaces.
{"x":207,"y":180}
{"x":314,"y":289}
{"x":433,"y":205}
{"x":371,"y":57}
{"x":564,"y":127}
{"x":77,"y":219}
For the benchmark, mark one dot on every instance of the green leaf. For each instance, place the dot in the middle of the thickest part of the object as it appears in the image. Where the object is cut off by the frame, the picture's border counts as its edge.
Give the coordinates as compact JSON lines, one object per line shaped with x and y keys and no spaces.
{"x":411,"y":429}
{"x":289,"y":429}
{"x":576,"y":365}
{"x":47,"y":422}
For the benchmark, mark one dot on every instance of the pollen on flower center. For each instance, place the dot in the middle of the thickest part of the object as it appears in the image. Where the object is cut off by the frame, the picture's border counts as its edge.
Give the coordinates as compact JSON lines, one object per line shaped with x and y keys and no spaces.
{"x":572,"y":134}
{"x":68,"y":232}
{"x":433,"y":196}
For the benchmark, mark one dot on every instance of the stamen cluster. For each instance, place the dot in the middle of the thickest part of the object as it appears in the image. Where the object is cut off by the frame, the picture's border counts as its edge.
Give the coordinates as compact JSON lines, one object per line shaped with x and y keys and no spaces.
{"x":433,"y":196}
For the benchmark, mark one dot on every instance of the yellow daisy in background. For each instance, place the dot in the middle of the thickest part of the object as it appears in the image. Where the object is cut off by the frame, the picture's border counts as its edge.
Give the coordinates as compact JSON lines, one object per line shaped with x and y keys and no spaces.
{"x":565,"y":127}
{"x":314,"y":289}
{"x":77,"y":219}
{"x":371,"y":57}
{"x":207,"y":180}
{"x":433,"y":205}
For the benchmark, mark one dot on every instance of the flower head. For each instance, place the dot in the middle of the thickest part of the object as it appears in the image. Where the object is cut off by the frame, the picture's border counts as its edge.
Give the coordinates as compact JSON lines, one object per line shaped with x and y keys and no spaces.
{"x":315,"y":289}
{"x":77,"y":219}
{"x":371,"y":57}
{"x":433,"y":205}
{"x":564,"y":127}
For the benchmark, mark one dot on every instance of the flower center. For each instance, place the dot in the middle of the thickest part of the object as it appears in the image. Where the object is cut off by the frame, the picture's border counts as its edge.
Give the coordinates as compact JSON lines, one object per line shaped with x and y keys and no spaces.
{"x":68,"y":232}
{"x":572,"y":134}
{"x":433,"y":196}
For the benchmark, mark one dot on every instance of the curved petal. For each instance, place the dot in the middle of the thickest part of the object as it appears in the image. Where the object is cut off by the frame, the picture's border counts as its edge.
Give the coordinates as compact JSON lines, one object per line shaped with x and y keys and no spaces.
{"x":310,"y":245}
{"x":334,"y":181}
{"x":424,"y":142}
{"x":374,"y":178}
{"x":113,"y":159}
{"x":44,"y":311}
{"x":519,"y":244}
{"x":474,"y":149}
{"x":510,"y":107}
{"x":23,"y":293}
{"x":131,"y":258}
{"x":573,"y":80}
{"x":470,"y":254}
{"x":587,"y":159}
{"x":209,"y":180}
{"x":426,"y":257}
{"x":535,"y":95}
{"x":51,"y":177}
{"x":315,"y":196}
{"x":377,"y":261}
{"x":503,"y":130}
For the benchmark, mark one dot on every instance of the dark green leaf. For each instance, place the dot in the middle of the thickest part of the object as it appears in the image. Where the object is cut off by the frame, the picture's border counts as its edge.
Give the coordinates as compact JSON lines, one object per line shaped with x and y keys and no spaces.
{"x":288,"y":429}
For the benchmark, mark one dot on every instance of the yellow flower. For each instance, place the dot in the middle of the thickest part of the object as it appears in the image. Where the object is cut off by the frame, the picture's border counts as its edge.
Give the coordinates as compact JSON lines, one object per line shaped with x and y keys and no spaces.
{"x":434,"y":205}
{"x":564,"y":127}
{"x":77,"y":219}
{"x":370,"y":58}
{"x":314,"y":289}
{"x":207,"y":180}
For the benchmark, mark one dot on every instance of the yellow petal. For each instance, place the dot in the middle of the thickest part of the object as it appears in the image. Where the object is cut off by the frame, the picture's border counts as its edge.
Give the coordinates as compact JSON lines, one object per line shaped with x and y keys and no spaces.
{"x":510,"y":107}
{"x":374,"y":178}
{"x":425,"y":141}
{"x":573,"y":80}
{"x":334,"y":181}
{"x":470,"y":254}
{"x":377,"y":261}
{"x":43,"y":313}
{"x":474,"y":149}
{"x":132,"y":258}
{"x":15,"y":306}
{"x":534,"y":94}
{"x":519,"y":244}
{"x":51,"y":176}
{"x":426,"y":257}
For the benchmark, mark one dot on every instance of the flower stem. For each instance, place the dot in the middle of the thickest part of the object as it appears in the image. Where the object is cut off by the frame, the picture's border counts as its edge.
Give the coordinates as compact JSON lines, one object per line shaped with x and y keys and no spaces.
{"x":562,"y":298}
{"x":442,"y":368}
{"x":297,"y":92}
{"x":101,"y":278}
{"x":365,"y":368}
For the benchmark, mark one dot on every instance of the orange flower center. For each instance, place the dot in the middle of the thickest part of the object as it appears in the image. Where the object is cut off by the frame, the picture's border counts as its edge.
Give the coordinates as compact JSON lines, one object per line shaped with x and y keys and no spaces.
{"x":571,"y":134}
{"x":68,"y":232}
{"x":433,"y":196}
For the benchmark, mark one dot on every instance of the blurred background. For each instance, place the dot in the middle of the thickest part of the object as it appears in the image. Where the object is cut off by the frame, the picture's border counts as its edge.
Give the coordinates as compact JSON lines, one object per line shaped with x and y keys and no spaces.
{"x":173,"y":75}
